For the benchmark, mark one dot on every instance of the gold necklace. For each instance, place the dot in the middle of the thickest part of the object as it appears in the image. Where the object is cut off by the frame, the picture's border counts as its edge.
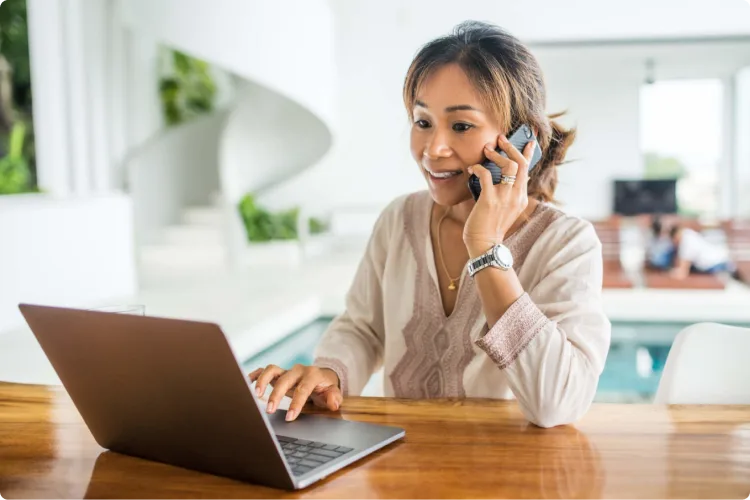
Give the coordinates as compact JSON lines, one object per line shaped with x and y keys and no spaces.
{"x":452,"y":285}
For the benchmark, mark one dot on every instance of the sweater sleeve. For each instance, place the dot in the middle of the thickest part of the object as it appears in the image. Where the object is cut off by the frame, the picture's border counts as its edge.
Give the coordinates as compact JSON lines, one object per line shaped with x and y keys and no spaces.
{"x":353,"y":344}
{"x":553,"y":341}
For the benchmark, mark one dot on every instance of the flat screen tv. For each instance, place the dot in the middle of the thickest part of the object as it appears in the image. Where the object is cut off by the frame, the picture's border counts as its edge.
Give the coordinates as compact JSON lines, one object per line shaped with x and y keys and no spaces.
{"x":636,"y":197}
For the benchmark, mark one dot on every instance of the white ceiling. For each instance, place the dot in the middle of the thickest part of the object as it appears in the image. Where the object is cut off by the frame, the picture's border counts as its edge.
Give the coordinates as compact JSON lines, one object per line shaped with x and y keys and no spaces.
{"x":544,"y":21}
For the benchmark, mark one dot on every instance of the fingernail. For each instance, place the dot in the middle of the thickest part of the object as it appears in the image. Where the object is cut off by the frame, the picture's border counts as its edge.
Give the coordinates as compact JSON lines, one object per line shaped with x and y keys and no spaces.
{"x":259,"y":392}
{"x":488,"y":146}
{"x":471,"y":170}
{"x":271,"y":407}
{"x":503,"y":138}
{"x":290,"y":415}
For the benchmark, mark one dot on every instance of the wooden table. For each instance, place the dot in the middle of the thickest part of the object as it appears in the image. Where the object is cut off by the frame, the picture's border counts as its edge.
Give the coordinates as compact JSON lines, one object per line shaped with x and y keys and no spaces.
{"x":472,"y":448}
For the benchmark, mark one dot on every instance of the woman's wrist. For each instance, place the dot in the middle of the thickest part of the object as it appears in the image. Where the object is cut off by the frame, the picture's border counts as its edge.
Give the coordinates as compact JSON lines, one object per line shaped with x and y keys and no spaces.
{"x":477,"y":248}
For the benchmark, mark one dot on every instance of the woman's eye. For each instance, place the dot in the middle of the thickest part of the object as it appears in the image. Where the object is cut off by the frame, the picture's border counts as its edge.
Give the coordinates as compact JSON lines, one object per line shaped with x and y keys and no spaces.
{"x":461,"y":127}
{"x":422,"y":123}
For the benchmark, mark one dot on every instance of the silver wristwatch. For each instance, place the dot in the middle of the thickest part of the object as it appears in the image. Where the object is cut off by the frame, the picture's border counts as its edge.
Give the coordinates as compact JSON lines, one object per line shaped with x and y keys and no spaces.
{"x":498,"y":256}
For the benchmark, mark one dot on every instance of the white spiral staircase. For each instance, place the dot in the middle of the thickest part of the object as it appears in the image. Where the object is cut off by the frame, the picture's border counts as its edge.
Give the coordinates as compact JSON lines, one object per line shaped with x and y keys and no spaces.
{"x":279,"y":123}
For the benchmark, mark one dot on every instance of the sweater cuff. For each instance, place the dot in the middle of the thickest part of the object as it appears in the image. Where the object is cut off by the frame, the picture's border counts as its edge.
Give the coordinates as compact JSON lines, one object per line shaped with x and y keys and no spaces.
{"x":520,"y":324}
{"x":338,"y":367}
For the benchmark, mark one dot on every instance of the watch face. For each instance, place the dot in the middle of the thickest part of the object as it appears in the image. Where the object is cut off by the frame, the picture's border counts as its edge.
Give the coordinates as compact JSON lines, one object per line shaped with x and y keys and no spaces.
{"x":503,"y":256}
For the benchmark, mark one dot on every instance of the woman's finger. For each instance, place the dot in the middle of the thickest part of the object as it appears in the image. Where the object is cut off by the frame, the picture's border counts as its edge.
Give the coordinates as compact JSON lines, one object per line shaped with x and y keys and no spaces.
{"x":330,"y":399}
{"x":269,"y":374}
{"x":253,"y":375}
{"x":485,"y":179}
{"x":302,"y":392}
{"x":501,"y":161}
{"x":285,"y":382}
{"x":513,"y":153}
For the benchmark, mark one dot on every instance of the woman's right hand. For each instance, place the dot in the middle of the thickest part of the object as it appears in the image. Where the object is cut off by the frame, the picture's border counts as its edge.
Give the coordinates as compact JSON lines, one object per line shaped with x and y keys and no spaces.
{"x":301,"y":383}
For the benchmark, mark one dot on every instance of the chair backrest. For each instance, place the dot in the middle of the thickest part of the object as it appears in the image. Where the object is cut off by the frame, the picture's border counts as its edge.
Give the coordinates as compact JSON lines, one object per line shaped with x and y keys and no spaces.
{"x":708,"y":363}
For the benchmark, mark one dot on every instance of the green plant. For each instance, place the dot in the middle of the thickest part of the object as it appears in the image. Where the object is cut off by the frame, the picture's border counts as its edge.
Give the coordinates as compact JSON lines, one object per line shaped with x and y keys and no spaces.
{"x":18,"y":167}
{"x":187,"y":88}
{"x":14,"y":169}
{"x":662,"y":167}
{"x":262,"y":225}
{"x":317,"y":226}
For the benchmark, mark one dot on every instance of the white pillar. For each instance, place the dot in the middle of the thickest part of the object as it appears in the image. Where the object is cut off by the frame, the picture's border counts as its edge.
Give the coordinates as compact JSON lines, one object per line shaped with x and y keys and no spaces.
{"x":727,"y":193}
{"x":741,"y":181}
{"x":98,"y":85}
{"x":50,"y":100}
{"x":77,"y":91}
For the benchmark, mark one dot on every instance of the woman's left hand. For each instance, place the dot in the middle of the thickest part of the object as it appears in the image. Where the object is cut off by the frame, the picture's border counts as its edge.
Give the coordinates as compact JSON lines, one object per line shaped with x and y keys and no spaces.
{"x":499,"y":205}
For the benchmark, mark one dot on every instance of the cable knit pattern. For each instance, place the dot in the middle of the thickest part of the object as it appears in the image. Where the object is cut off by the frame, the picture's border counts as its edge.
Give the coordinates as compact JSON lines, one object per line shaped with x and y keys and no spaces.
{"x":520,"y":324}
{"x":338,"y":367}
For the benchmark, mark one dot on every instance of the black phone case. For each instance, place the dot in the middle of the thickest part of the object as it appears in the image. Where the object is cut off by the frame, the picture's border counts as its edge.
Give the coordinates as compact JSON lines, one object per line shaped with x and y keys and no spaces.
{"x":519,"y":138}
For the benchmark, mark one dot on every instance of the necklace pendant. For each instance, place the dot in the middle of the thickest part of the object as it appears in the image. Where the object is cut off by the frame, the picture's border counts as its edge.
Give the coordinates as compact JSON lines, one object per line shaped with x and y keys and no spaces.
{"x":452,"y":286}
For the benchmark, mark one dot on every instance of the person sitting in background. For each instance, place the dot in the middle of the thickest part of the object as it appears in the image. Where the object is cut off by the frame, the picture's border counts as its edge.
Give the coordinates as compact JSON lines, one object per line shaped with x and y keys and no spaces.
{"x":661,"y":251}
{"x":696,"y":254}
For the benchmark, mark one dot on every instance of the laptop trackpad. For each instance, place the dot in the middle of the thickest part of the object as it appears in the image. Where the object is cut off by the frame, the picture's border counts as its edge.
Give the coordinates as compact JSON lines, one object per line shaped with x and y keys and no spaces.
{"x":332,"y":430}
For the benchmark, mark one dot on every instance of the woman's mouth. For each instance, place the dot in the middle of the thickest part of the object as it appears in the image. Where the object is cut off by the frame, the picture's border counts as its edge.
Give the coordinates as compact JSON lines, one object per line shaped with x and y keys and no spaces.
{"x":443,"y":175}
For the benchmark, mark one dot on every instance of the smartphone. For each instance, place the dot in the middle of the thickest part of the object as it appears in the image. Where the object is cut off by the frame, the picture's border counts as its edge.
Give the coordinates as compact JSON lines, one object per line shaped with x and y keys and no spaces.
{"x":519,"y":138}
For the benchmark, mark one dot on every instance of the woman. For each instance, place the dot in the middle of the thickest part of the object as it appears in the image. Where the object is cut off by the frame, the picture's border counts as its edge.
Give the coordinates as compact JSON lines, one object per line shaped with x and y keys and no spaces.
{"x":535,"y":331}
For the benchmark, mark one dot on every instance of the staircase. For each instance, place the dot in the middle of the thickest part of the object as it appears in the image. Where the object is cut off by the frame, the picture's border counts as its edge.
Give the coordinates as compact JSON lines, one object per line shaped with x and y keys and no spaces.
{"x":280,"y":123}
{"x":195,"y":246}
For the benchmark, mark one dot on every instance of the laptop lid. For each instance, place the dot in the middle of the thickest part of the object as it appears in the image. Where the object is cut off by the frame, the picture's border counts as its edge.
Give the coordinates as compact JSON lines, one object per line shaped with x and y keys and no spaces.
{"x":162,"y":389}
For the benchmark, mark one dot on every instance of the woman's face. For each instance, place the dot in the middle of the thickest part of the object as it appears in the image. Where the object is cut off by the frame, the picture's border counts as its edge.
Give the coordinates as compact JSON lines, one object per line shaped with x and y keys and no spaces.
{"x":450,"y":128}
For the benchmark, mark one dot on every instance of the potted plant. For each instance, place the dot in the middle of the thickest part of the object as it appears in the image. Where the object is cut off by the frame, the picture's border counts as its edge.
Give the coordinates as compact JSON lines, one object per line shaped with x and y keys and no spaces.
{"x":271,"y":236}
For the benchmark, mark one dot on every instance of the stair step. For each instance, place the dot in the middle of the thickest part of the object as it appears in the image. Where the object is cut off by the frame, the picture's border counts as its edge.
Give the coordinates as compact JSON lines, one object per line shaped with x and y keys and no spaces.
{"x":194,"y":234}
{"x":182,"y":256}
{"x":204,"y":216}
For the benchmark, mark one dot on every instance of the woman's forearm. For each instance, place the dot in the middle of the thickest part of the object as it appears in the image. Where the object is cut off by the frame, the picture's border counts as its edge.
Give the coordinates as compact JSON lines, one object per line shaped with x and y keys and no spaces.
{"x":498,"y":291}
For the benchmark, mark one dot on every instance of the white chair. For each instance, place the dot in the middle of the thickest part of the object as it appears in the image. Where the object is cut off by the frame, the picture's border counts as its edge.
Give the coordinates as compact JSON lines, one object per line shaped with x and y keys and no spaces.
{"x":708,"y":363}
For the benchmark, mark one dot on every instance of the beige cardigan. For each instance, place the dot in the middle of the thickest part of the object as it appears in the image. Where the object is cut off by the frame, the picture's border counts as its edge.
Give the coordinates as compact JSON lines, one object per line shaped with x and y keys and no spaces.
{"x":547,"y":350}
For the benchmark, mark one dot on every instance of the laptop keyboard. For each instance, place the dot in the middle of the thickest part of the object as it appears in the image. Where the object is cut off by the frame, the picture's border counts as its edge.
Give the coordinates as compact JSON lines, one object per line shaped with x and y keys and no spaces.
{"x":304,"y":456}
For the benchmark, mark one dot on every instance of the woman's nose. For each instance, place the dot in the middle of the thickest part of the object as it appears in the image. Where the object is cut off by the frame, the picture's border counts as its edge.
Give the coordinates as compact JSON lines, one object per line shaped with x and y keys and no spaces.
{"x":437,"y":147}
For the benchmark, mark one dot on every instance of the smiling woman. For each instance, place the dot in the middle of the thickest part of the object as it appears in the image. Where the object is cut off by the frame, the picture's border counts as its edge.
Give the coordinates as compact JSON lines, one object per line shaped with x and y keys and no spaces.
{"x":494,"y":298}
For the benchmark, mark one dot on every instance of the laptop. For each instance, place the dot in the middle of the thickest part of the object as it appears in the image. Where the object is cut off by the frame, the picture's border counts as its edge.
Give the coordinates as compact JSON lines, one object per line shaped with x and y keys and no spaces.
{"x":172,"y":391}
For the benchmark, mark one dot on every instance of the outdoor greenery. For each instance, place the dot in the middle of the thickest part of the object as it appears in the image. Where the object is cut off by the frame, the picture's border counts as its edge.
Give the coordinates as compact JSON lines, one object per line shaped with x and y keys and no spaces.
{"x":186,"y":87}
{"x":317,"y":226}
{"x":663,"y":167}
{"x":17,"y":157}
{"x":262,"y":225}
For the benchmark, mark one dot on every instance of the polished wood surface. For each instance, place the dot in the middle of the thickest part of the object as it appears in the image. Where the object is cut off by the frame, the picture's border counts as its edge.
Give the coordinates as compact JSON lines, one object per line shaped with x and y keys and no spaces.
{"x":471,"y":448}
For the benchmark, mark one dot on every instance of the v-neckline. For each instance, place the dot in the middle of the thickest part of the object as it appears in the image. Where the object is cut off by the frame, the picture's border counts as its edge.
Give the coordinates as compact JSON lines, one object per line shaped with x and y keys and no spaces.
{"x":465,"y":279}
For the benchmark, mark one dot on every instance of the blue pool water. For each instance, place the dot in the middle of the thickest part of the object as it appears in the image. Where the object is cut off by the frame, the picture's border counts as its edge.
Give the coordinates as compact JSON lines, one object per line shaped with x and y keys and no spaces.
{"x":631,"y":374}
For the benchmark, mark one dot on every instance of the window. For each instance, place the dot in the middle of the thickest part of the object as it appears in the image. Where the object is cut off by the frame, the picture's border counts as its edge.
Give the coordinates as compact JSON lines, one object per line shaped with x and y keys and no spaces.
{"x":681,"y":137}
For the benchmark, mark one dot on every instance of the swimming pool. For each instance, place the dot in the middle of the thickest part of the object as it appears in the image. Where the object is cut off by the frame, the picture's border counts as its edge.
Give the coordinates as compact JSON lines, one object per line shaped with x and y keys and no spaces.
{"x":631,"y":374}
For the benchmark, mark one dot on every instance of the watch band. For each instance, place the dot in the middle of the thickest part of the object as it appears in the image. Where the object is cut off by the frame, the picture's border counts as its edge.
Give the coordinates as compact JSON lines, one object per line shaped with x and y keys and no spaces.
{"x":481,"y":262}
{"x":487,"y":259}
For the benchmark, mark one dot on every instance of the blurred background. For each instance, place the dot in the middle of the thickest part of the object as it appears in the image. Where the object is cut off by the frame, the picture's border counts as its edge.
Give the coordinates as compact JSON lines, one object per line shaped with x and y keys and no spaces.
{"x":226,"y":160}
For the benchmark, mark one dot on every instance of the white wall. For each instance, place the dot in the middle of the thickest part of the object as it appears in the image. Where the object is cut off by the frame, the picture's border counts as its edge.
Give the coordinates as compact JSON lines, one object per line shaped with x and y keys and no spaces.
{"x":603,"y":104}
{"x":286,"y":46}
{"x":742,"y":145}
{"x":599,"y":85}
{"x":178,"y":168}
{"x":76,"y":252}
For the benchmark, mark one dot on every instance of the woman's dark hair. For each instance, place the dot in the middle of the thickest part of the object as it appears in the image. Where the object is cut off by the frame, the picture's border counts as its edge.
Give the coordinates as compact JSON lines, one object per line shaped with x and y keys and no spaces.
{"x":509,"y":79}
